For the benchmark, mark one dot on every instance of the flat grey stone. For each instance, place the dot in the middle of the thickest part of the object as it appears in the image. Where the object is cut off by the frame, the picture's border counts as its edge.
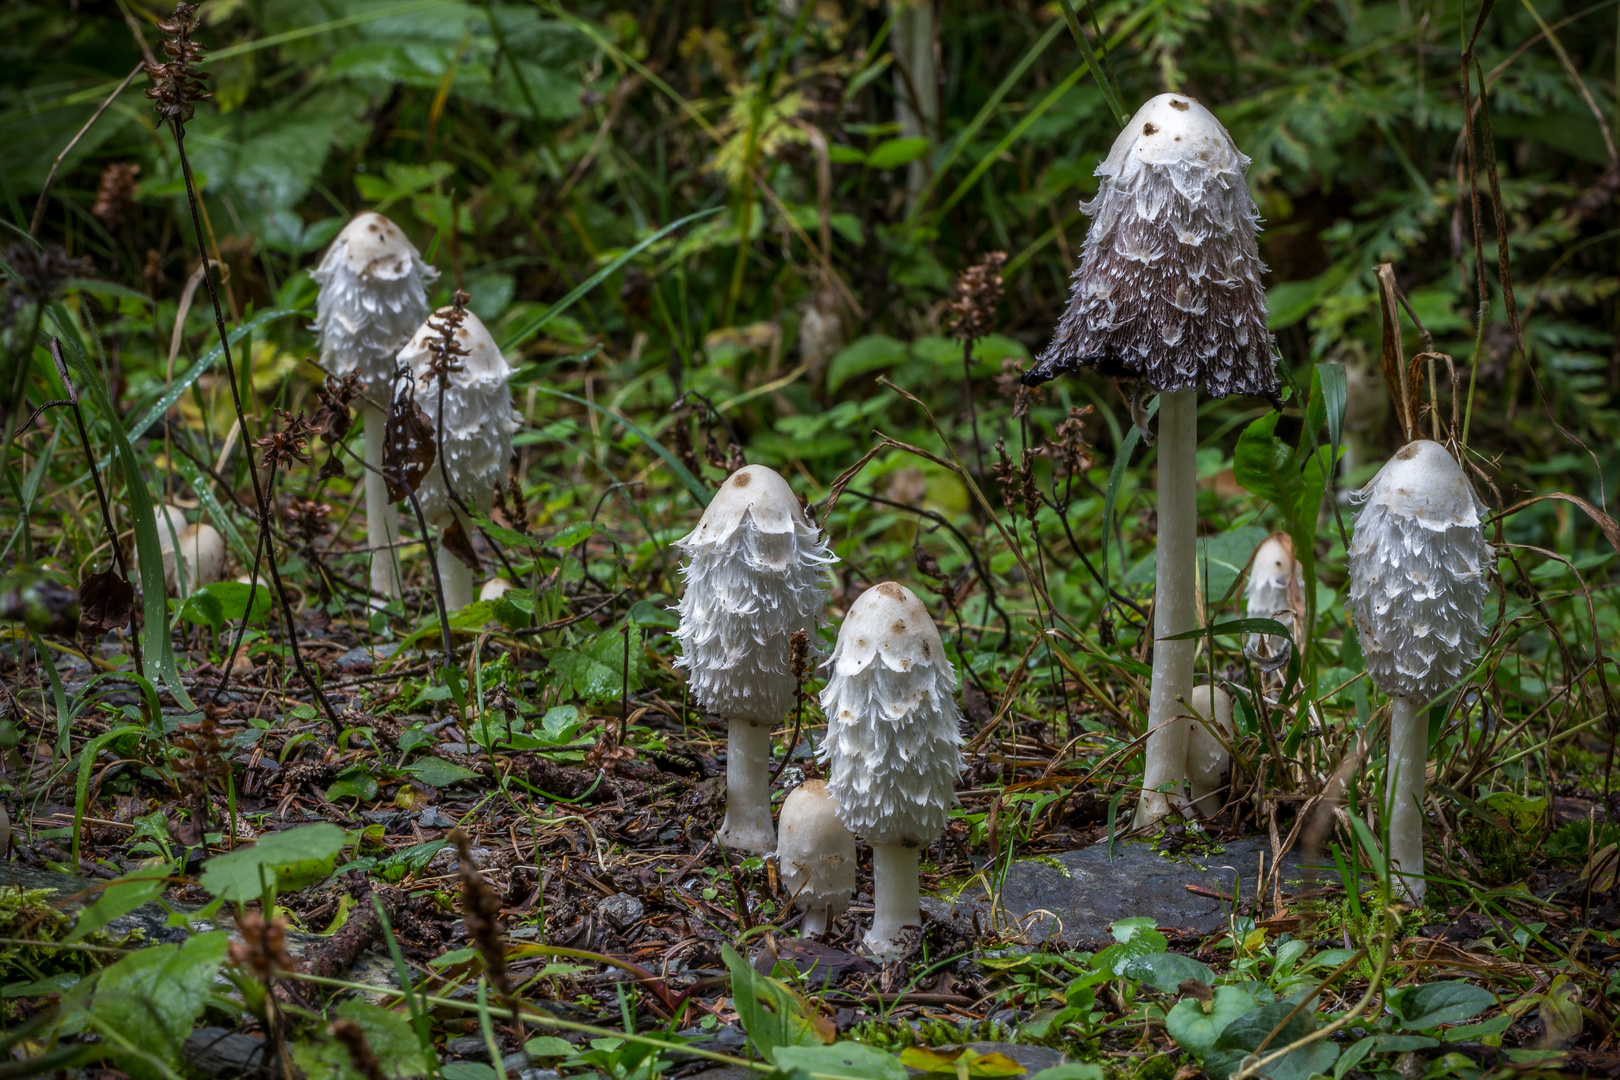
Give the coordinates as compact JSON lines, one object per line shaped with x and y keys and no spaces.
{"x":1074,"y":898}
{"x":228,"y":1055}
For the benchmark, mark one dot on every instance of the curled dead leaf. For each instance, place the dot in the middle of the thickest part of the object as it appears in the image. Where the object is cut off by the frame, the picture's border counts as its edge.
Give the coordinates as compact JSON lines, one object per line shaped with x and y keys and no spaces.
{"x":106,"y":602}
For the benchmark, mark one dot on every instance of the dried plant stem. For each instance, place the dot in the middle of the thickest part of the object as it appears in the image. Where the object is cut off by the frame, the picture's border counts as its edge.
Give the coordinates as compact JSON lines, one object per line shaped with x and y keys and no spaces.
{"x":261,"y":495}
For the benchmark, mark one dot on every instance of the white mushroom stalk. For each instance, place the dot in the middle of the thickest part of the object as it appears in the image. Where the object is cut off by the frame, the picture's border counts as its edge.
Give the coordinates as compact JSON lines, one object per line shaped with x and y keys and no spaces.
{"x":373,"y":297}
{"x":476,"y":432}
{"x":1209,"y":763}
{"x":816,"y":856}
{"x":893,"y":746}
{"x":1418,"y":587}
{"x":1276,"y":591}
{"x":756,"y":573}
{"x":1168,"y":295}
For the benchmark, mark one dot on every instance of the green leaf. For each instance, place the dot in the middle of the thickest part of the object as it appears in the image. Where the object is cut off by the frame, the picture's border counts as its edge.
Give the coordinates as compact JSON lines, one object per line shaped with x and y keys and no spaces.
{"x":595,"y":671}
{"x":1433,"y":1004}
{"x":844,"y":1059}
{"x":893,"y":153}
{"x":572,"y":535}
{"x":1071,"y":1070}
{"x":437,"y":772}
{"x":147,"y":1002}
{"x":772,"y":1015}
{"x":122,"y":896}
{"x":548,"y":1046}
{"x":647,"y":613}
{"x":515,"y":609}
{"x":1235,"y":626}
{"x":1523,"y":814}
{"x":353,"y":784}
{"x":203,"y":609}
{"x":1264,"y":465}
{"x":233,"y":599}
{"x":289,"y":860}
{"x":388,"y":1034}
{"x":1243,"y":1035}
{"x":1166,"y":971}
{"x":874,"y":352}
{"x":1195,"y":1026}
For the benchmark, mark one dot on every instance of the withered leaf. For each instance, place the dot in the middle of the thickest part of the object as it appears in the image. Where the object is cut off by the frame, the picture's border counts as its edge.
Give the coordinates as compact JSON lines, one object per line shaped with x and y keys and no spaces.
{"x":456,"y":541}
{"x":332,"y":469}
{"x":408,"y":449}
{"x":106,"y":602}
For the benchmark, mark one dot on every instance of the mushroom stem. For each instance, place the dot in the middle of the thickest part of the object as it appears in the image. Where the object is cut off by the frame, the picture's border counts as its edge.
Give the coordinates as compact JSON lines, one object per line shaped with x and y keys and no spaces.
{"x":1175,"y":606}
{"x":748,"y":791}
{"x":815,"y":922}
{"x":456,"y":576}
{"x":895,"y":898}
{"x":1408,"y":764}
{"x":382,"y":516}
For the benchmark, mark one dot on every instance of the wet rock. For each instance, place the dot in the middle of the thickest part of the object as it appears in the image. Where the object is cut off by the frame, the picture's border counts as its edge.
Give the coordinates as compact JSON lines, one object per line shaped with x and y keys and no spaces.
{"x":216,"y":1052}
{"x":1077,"y":896}
{"x":621,"y":910}
{"x":471,"y":1047}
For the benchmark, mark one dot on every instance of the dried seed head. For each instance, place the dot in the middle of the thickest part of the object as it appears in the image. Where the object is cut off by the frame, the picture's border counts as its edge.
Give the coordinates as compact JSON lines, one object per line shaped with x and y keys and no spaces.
{"x":1168,"y":289}
{"x":756,"y":572}
{"x":307,"y":518}
{"x":481,"y":909}
{"x":262,"y":947}
{"x":116,"y":192}
{"x":978,"y":291}
{"x":282,"y":448}
{"x":1418,"y":564}
{"x":894,"y":745}
{"x":178,"y":85}
{"x":353,"y":1040}
{"x":1071,"y":447}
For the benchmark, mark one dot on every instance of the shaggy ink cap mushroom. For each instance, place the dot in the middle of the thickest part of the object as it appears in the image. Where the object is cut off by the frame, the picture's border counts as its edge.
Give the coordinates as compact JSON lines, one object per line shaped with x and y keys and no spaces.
{"x":479,"y":420}
{"x":756,"y":574}
{"x":893,"y":747}
{"x":1168,"y":289}
{"x":1276,"y":591}
{"x":1418,"y":587}
{"x":1209,"y":764}
{"x":373,"y":297}
{"x":815,"y":855}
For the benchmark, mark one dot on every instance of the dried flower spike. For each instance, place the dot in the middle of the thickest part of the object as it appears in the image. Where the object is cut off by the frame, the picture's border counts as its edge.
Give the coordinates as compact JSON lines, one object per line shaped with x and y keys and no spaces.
{"x":1418,"y":586}
{"x":978,"y":292}
{"x":178,"y":85}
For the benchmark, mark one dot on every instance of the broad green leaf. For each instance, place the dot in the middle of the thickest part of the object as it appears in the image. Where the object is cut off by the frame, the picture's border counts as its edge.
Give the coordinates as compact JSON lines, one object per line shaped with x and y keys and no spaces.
{"x":1196,"y":1025}
{"x":1071,"y":1070}
{"x":437,"y":772}
{"x":388,"y":1034}
{"x":1433,"y":1004}
{"x":893,"y":153}
{"x":1264,"y":465}
{"x":844,"y":1059}
{"x":289,"y":860}
{"x":147,"y":1002}
{"x":772,"y":1015}
{"x":595,"y":670}
{"x":123,"y":895}
{"x":353,"y":784}
{"x":874,"y":352}
{"x":1245,"y":1034}
{"x":1166,"y":971}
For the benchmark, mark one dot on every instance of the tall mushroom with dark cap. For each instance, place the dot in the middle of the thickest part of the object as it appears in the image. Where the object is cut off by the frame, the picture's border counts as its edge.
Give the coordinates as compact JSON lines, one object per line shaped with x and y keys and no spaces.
{"x":756,"y":572}
{"x":1168,"y":298}
{"x":1418,"y":586}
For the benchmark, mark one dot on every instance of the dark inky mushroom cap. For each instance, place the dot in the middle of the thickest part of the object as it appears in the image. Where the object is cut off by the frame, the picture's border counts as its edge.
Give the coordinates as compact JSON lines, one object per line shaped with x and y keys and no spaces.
{"x":1168,"y":289}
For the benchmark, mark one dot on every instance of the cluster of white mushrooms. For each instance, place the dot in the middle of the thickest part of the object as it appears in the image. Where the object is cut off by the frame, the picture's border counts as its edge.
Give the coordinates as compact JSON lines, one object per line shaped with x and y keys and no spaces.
{"x":756,"y":574}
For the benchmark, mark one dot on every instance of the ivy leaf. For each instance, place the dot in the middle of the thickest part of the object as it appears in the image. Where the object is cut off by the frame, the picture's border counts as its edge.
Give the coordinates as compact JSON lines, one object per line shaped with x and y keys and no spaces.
{"x":1195,"y":1029}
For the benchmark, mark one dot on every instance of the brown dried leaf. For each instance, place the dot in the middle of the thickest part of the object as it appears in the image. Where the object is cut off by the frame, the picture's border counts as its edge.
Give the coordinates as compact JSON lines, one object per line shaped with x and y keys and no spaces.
{"x":106,"y":602}
{"x":456,"y":542}
{"x":408,"y":448}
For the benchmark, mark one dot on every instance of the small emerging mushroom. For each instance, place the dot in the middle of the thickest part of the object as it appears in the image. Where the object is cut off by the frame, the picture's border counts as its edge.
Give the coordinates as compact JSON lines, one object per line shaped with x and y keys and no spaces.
{"x":1276,"y":591}
{"x":477,"y":429}
{"x":893,"y":746}
{"x":1209,"y":763}
{"x":1168,"y":298}
{"x":1418,"y":586}
{"x":373,"y":297}
{"x":494,"y":589}
{"x":816,"y":856}
{"x":756,"y":573}
{"x":197,"y":551}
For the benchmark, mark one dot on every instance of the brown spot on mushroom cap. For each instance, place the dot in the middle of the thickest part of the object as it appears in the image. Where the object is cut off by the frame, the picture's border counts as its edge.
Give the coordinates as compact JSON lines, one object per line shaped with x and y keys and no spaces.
{"x":899,"y":627}
{"x":741,"y":479}
{"x":1177,"y":103}
{"x":891,"y":590}
{"x":1149,"y":129}
{"x":1408,"y":452}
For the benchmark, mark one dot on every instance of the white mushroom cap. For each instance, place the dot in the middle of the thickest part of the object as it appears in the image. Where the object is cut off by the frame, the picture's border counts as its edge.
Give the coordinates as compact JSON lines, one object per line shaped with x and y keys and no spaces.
{"x":1276,"y":591}
{"x":372,"y":299}
{"x":203,"y":551}
{"x":1208,"y":762}
{"x":478,"y":417}
{"x":815,"y":853}
{"x":893,"y":743}
{"x":494,"y":589}
{"x":171,"y":523}
{"x":1168,"y":289}
{"x":756,"y":573}
{"x":1418,"y":563}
